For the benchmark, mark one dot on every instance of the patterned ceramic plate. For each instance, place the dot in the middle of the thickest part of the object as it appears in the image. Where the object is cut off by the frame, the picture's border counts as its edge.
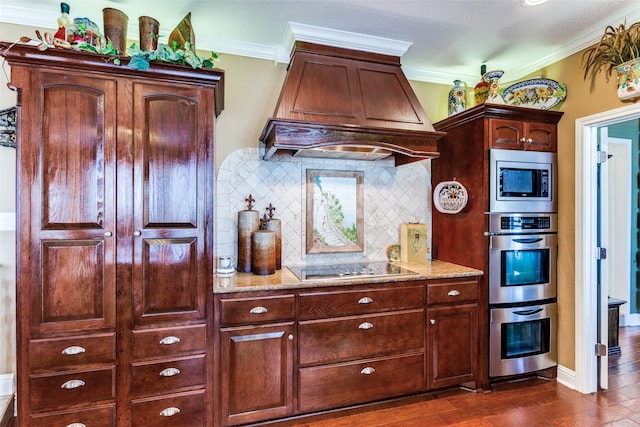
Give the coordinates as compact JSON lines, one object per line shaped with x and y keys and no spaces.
{"x":541,"y":94}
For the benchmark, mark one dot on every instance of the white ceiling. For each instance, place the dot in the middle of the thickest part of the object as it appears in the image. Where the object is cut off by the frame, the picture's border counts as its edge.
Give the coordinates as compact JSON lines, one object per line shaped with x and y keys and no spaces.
{"x":444,"y":39}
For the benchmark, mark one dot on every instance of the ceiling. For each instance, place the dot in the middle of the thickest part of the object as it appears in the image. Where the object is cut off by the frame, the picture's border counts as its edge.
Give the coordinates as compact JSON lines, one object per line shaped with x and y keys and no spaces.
{"x":438,"y":40}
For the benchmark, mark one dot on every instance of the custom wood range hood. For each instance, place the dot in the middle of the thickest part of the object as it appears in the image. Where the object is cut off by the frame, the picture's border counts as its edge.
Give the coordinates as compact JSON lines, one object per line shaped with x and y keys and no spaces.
{"x":342,"y":103}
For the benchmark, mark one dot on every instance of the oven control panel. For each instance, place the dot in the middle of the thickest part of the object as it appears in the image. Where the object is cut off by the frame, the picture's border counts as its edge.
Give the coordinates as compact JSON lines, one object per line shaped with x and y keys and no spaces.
{"x":522,"y":223}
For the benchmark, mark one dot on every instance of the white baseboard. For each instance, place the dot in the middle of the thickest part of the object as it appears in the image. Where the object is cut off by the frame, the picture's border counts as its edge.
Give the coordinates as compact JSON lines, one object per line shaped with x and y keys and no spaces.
{"x":632,"y":319}
{"x":7,"y":384}
{"x":566,"y":377}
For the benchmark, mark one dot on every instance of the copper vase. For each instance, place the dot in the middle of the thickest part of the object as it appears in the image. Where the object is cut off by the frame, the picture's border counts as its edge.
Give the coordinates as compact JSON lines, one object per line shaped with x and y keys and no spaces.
{"x":248,"y":222}
{"x":149,"y":29}
{"x":115,"y":28}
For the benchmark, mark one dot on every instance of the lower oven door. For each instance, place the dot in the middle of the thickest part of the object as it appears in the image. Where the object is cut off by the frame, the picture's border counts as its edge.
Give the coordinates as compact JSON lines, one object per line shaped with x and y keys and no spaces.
{"x":523,"y":339}
{"x":522,"y":268}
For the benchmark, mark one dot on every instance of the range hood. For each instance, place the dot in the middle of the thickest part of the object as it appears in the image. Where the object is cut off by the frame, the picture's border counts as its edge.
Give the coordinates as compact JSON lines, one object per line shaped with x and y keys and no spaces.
{"x":348,"y":104}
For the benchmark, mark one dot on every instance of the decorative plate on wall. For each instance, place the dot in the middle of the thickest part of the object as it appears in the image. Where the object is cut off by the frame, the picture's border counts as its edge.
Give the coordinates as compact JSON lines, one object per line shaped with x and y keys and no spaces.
{"x":541,"y":94}
{"x":450,"y":197}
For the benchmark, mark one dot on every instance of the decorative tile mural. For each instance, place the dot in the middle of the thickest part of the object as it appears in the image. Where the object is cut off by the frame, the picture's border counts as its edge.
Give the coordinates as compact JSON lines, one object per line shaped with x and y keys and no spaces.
{"x":392,"y":196}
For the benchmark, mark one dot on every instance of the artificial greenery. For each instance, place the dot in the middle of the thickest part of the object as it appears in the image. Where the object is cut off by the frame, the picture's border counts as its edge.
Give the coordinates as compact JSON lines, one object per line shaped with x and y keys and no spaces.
{"x":141,"y":59}
{"x":618,"y":45}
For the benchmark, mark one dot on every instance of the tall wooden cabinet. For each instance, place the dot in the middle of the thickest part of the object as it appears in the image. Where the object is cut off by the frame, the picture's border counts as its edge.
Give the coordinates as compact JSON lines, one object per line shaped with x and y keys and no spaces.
{"x":115,"y":249}
{"x":464,"y":156}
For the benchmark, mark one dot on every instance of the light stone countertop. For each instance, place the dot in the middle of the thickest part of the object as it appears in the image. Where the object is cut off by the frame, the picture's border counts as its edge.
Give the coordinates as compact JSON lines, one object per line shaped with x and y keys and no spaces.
{"x":285,"y":279}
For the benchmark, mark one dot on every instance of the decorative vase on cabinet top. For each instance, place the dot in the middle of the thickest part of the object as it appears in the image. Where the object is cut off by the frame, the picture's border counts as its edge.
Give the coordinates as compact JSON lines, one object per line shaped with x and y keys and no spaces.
{"x":457,"y":97}
{"x":494,"y":96}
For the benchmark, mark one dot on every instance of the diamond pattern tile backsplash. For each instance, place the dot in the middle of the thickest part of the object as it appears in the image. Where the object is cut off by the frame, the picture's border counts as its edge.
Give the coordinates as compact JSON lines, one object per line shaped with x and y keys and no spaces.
{"x":392,"y":196}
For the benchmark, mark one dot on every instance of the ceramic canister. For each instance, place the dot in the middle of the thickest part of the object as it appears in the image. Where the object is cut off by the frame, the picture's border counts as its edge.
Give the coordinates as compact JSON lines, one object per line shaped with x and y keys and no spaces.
{"x":248,"y":222}
{"x":263,"y":252}
{"x":275,"y":225}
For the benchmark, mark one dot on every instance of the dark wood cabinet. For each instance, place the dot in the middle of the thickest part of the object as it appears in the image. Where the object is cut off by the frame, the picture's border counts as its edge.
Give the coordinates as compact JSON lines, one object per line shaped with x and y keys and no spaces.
{"x":115,"y":200}
{"x":523,"y":135}
{"x":464,"y":156}
{"x":256,"y":358}
{"x":297,"y":352}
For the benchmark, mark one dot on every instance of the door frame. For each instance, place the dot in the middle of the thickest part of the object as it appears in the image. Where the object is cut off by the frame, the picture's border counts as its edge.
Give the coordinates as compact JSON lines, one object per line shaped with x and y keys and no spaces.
{"x":586,"y":362}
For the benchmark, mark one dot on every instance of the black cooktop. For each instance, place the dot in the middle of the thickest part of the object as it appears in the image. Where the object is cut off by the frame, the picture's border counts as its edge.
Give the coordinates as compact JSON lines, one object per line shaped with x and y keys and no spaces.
{"x":348,"y":271}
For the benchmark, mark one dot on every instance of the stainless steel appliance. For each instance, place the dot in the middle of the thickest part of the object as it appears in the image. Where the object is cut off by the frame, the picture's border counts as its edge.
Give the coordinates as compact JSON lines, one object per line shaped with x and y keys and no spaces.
{"x":522,"y":181}
{"x":523,"y":339}
{"x":345,"y":271}
{"x":522,"y":292}
{"x":522,"y":257}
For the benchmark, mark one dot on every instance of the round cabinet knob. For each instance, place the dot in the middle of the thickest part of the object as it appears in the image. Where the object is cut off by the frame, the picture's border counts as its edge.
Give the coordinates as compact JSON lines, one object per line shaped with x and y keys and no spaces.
{"x":137,"y":233}
{"x":290,"y":337}
{"x":529,"y":141}
{"x":432,"y":321}
{"x":108,"y":234}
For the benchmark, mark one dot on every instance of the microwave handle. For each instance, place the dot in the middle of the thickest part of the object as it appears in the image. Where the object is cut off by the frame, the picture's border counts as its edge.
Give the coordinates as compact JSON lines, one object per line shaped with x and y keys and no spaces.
{"x":528,"y":241}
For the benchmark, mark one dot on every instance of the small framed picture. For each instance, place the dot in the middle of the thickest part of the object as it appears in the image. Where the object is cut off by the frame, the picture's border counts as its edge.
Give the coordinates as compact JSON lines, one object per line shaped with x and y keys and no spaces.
{"x":335,"y":211}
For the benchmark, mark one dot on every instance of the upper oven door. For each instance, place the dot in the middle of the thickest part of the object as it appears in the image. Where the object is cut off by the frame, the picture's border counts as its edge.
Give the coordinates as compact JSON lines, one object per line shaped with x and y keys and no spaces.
{"x":522,"y":181}
{"x":522,"y":268}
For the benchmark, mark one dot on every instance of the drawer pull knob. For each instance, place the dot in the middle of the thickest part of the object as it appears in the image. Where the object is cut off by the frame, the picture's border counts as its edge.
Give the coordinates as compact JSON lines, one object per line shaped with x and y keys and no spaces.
{"x":76,"y":425}
{"x":432,"y":321}
{"x":290,"y":337}
{"x":258,"y":310}
{"x":71,"y":384}
{"x":170,"y":411}
{"x":74,"y":349}
{"x":365,"y":325}
{"x":529,"y":141}
{"x":453,"y":293}
{"x":169,"y":340}
{"x":368,"y":370}
{"x":108,"y":234}
{"x":137,"y":233}
{"x":169,"y":372}
{"x":365,"y":300}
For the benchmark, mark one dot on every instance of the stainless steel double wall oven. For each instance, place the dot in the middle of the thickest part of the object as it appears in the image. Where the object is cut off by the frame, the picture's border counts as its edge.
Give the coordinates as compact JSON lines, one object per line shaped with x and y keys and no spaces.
{"x":523,"y":246}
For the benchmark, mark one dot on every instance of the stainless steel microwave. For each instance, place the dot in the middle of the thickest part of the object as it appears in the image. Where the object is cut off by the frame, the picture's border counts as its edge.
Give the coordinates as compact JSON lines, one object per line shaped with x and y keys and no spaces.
{"x":522,"y":181}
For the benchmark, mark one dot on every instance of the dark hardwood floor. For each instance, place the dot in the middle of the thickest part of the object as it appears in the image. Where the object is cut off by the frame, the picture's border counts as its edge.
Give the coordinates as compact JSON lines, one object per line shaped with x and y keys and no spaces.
{"x":530,"y":402}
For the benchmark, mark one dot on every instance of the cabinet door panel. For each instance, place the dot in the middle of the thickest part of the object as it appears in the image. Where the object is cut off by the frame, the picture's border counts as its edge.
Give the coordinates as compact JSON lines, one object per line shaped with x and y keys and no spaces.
{"x":257,"y":373}
{"x":69,"y":260}
{"x":541,"y":137}
{"x":505,"y":134}
{"x":74,"y":156}
{"x":453,"y":342}
{"x":172,"y":155}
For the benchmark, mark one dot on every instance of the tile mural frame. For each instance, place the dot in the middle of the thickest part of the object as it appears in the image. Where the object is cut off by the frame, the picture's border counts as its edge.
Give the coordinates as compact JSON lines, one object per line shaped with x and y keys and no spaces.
{"x":338,"y":181}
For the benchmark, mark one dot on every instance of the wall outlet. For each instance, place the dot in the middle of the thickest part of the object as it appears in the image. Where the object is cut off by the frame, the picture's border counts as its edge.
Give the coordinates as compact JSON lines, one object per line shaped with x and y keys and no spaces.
{"x":7,"y":221}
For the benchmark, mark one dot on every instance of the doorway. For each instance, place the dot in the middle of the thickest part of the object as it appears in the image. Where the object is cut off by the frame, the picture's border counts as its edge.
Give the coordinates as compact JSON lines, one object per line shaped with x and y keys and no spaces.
{"x":587,"y":299}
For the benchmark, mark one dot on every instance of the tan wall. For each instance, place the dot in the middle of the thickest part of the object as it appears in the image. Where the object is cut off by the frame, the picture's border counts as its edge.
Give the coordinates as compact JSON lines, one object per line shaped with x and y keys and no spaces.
{"x":251,"y":91}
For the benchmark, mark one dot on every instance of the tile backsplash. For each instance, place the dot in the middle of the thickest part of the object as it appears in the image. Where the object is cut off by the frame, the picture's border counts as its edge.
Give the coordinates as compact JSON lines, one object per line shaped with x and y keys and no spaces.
{"x":392,"y":196}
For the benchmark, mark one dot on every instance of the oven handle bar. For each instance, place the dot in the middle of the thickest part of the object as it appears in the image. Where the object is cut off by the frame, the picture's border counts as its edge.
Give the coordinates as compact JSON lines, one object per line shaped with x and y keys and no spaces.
{"x":528,"y":241}
{"x":528,"y":312}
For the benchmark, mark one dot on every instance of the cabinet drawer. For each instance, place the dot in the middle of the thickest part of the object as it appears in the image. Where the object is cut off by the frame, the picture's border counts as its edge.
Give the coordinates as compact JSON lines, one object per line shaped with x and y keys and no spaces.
{"x":452,"y":292}
{"x":348,"y":338}
{"x":169,"y":341}
{"x":69,"y":387}
{"x":60,"y":352}
{"x":345,"y":303}
{"x":150,"y":377}
{"x":357,"y":382}
{"x":99,"y":416}
{"x":256,"y":310}
{"x":176,"y":410}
